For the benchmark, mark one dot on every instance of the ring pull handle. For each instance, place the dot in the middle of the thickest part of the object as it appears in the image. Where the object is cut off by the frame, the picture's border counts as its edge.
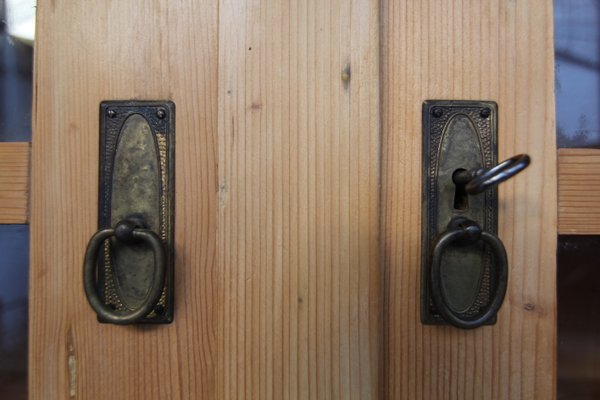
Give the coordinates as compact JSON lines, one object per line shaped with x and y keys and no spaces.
{"x":467,"y":230}
{"x":480,"y":179}
{"x":126,"y":231}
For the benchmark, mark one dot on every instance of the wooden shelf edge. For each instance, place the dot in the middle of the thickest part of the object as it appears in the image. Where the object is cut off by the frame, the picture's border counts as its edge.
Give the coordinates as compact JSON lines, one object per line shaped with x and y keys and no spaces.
{"x":14,"y":182}
{"x":578,"y":192}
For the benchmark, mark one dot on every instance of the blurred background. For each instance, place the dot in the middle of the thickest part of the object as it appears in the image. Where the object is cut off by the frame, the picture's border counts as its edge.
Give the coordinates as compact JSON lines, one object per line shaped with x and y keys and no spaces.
{"x":16,"y":62}
{"x":577,"y":49}
{"x":577,"y":52}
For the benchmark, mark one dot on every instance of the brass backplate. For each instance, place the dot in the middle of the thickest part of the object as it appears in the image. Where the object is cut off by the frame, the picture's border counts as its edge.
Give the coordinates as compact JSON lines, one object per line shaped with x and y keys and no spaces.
{"x":457,"y":135}
{"x":137,"y":172}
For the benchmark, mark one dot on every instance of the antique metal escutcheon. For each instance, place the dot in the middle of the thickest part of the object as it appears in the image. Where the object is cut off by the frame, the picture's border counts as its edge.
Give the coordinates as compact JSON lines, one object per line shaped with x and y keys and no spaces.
{"x":464,"y":268}
{"x":128,"y":267}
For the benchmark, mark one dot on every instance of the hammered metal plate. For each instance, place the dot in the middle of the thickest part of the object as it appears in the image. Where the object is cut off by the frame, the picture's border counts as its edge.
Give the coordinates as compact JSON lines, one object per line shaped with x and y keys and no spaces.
{"x":457,"y":135}
{"x":137,"y":148}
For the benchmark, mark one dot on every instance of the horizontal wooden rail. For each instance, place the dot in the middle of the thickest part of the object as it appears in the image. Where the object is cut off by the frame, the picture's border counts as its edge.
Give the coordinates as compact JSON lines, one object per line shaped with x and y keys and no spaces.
{"x":14,"y":182}
{"x":578,"y":188}
{"x":579,"y":191}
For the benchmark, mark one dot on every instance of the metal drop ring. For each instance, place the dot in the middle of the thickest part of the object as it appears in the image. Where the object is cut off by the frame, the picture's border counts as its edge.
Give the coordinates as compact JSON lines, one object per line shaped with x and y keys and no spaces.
{"x":89,"y":273}
{"x":439,"y":299}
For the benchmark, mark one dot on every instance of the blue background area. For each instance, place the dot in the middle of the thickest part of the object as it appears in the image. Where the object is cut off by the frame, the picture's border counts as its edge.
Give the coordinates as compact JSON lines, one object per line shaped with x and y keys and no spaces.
{"x":577,"y":50}
{"x":16,"y":61}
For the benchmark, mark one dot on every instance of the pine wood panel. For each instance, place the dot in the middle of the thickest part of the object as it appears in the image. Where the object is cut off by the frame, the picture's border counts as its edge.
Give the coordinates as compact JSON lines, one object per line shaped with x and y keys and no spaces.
{"x":277,"y":263}
{"x":87,"y":52}
{"x":14,"y":182}
{"x":471,"y":49}
{"x":298,"y":199}
{"x":579,"y":191}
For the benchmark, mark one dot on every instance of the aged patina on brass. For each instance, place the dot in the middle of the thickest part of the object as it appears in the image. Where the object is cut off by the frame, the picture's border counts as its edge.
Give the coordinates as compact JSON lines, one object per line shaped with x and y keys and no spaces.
{"x":464,"y":264}
{"x":458,"y":137}
{"x":137,"y":144}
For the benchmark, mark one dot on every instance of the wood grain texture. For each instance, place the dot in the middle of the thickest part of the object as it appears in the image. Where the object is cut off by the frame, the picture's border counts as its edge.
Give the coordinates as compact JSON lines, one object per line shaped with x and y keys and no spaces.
{"x":578,"y":191}
{"x":277,"y":260}
{"x":88,"y":52}
{"x":480,"y":50}
{"x":299,"y":199}
{"x":14,"y":182}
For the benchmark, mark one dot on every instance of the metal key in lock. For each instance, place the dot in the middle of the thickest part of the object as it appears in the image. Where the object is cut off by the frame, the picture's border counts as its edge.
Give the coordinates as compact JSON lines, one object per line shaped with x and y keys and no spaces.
{"x":464,"y":267}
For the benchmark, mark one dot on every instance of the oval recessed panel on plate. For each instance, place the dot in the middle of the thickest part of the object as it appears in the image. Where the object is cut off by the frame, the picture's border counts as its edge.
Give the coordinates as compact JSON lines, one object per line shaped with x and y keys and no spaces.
{"x":135,"y":193}
{"x":461,"y":266}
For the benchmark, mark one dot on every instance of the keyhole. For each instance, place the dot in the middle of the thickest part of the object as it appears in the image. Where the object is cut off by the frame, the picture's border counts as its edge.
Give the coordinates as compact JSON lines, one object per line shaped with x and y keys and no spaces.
{"x":461,"y":198}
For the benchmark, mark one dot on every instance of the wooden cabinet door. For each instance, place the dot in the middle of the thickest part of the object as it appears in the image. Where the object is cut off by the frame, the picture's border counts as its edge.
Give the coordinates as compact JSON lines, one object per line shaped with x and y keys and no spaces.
{"x":498,"y":50}
{"x":297,"y":215}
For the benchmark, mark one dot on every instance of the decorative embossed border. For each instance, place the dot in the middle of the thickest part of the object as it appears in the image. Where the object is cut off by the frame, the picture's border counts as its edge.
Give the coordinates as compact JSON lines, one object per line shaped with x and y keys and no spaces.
{"x":113,"y":115}
{"x":433,"y":130}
